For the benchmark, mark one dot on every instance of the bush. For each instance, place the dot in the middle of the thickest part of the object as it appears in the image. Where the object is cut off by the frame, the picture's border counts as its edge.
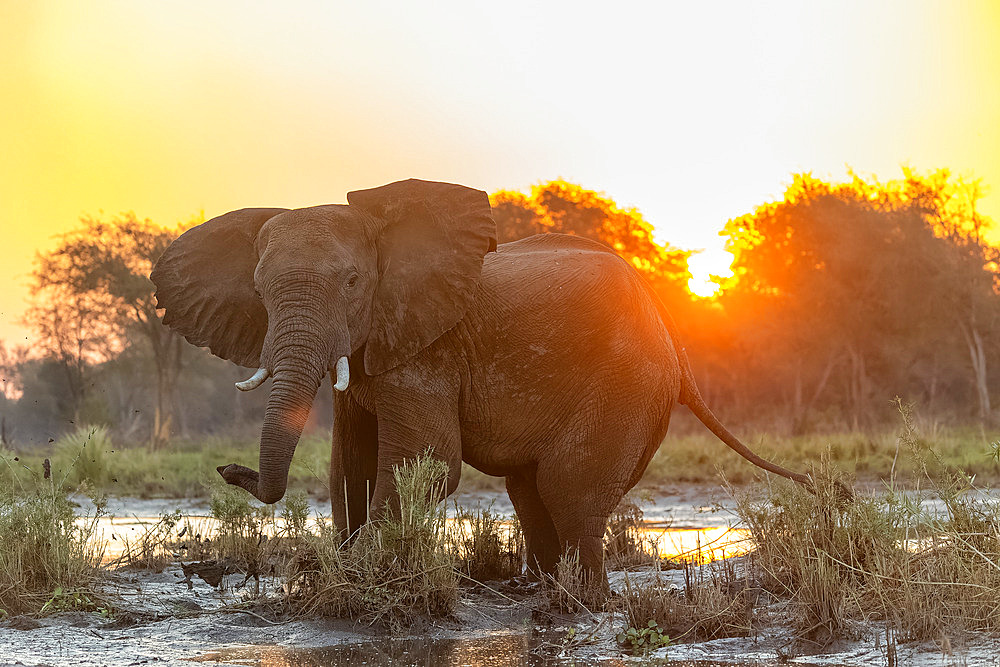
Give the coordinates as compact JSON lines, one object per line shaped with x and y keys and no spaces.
{"x":83,"y":457}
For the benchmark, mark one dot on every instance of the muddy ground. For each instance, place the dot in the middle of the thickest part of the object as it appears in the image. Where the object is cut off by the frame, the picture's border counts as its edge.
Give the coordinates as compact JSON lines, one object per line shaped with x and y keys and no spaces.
{"x":160,"y":620}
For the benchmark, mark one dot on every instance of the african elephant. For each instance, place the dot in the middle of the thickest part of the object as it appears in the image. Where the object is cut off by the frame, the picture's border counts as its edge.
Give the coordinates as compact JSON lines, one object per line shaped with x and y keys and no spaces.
{"x":547,"y":361}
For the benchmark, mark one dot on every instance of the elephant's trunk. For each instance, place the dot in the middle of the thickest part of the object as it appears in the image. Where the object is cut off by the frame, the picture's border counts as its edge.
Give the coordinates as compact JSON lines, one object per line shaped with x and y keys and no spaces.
{"x":300,"y":361}
{"x":287,"y":411}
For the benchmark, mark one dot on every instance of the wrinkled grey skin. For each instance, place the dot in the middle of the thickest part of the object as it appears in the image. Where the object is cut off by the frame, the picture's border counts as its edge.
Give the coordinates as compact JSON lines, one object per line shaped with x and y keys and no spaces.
{"x":547,"y":361}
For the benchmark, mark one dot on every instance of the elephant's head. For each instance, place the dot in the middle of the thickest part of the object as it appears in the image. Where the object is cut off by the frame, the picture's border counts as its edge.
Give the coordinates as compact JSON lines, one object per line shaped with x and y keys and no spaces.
{"x":296,"y":292}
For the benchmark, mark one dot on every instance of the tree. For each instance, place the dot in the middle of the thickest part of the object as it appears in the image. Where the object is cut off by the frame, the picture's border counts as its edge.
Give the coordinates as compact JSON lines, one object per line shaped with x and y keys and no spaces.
{"x":558,"y":206}
{"x":92,"y":298}
{"x":857,"y":284}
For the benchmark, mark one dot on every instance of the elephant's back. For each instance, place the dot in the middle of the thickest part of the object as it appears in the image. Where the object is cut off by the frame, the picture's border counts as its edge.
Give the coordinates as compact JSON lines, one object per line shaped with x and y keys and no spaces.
{"x":561,"y":270}
{"x":565,"y":335}
{"x":546,"y":261}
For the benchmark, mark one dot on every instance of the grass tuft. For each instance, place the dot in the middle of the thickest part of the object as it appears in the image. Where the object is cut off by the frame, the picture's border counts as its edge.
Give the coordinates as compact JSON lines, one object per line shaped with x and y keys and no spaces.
{"x":48,"y":559}
{"x":487,"y":547}
{"x":394,"y":570}
{"x":626,"y":544}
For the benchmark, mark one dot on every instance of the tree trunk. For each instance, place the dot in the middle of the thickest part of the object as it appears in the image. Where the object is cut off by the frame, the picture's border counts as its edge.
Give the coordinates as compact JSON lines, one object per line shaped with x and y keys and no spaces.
{"x":858,"y":388}
{"x":977,"y":355}
{"x":168,"y":356}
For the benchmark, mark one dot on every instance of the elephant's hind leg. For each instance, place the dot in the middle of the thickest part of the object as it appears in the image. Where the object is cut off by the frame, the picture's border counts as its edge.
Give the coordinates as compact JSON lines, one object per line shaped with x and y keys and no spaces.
{"x":540,"y":538}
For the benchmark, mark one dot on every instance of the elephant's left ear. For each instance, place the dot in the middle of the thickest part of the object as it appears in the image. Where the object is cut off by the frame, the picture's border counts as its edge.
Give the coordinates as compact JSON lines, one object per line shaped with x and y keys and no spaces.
{"x":431,"y":245}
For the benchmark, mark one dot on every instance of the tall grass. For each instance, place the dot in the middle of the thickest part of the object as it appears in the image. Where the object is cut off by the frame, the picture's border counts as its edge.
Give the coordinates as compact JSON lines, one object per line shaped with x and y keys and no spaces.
{"x":394,"y":569}
{"x":48,"y":560}
{"x":888,"y":556}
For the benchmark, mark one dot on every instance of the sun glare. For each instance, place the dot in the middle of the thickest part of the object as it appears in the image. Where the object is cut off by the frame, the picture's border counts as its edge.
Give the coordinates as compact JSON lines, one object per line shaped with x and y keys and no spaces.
{"x":705,"y":264}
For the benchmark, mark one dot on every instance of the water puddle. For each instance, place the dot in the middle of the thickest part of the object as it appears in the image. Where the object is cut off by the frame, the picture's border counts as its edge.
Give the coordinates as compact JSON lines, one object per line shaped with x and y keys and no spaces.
{"x":495,"y":650}
{"x":698,"y":545}
{"x":117,"y":534}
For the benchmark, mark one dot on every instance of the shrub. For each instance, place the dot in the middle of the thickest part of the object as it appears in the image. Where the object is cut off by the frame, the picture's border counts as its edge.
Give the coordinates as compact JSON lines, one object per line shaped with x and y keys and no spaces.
{"x":83,"y":457}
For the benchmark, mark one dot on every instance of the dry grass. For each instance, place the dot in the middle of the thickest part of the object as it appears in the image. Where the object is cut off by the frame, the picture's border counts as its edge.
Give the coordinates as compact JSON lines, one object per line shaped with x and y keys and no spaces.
{"x":152,"y":549}
{"x":48,"y":559}
{"x":886,"y":556}
{"x":570,"y":590}
{"x":626,"y":544}
{"x":487,"y":547}
{"x":394,"y":570}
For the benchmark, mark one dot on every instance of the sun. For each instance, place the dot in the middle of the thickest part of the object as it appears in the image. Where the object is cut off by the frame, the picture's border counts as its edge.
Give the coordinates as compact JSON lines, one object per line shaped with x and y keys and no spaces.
{"x":707,"y":263}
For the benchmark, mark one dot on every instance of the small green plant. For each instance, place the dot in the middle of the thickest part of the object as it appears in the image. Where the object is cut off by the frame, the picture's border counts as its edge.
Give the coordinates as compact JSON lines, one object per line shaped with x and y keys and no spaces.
{"x":644,"y":639}
{"x":67,"y":600}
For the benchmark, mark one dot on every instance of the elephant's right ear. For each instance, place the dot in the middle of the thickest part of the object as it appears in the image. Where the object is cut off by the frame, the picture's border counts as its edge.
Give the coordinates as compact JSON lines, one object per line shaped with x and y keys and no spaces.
{"x":204,"y":283}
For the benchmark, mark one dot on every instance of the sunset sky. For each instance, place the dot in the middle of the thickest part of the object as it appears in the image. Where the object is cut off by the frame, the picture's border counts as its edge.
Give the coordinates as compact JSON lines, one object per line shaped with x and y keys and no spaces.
{"x":691,"y":112}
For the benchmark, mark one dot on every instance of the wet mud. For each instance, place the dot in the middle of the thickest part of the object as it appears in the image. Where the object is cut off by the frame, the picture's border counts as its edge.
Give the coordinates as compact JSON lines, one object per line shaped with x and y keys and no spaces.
{"x":161,"y":620}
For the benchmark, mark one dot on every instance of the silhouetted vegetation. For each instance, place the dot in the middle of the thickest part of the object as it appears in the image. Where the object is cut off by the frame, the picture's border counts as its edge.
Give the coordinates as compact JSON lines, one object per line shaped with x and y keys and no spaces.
{"x":844,"y":296}
{"x":848,"y":294}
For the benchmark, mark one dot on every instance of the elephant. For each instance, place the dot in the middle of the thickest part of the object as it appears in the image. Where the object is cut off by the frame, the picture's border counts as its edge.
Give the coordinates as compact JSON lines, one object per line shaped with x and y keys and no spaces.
{"x":548,"y":361}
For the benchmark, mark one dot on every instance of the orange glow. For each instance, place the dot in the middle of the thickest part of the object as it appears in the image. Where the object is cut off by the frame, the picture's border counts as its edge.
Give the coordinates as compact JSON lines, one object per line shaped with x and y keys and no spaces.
{"x":170,"y":110}
{"x":706,"y":264}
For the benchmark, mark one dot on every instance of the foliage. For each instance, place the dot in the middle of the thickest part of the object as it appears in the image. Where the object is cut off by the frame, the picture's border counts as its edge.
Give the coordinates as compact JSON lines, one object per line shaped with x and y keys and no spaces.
{"x":647,"y":638}
{"x":558,"y":206}
{"x":845,"y":292}
{"x":844,"y":295}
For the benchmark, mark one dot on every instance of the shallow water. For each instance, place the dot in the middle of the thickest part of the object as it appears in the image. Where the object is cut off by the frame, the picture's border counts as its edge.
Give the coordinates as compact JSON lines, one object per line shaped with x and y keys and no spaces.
{"x":677,"y":528}
{"x":497,"y":650}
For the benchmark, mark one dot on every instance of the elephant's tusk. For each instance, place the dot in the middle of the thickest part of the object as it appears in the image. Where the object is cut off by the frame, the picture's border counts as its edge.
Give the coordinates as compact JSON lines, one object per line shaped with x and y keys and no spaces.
{"x":255,"y":381}
{"x":343,"y":374}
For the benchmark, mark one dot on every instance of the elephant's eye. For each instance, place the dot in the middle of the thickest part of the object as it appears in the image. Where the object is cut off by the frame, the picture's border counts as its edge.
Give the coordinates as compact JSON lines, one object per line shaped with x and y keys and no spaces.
{"x":257,"y":292}
{"x":352,"y":281}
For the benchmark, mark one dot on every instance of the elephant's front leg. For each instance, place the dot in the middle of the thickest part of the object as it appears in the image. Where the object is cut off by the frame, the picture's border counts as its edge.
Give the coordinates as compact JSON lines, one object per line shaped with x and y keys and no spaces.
{"x":353,"y":463}
{"x":406,"y":429}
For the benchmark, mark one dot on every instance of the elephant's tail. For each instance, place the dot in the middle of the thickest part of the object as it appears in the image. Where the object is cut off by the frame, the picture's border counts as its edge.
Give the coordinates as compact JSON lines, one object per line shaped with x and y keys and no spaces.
{"x":691,"y":397}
